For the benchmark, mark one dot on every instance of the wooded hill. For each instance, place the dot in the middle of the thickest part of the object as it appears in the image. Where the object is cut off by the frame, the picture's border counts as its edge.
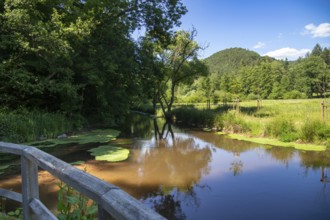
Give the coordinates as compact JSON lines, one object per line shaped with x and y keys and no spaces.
{"x":244,"y":74}
{"x":230,"y":60}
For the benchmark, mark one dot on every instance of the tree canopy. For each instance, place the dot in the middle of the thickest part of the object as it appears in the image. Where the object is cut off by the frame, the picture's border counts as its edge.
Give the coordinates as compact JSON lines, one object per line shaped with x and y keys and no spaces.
{"x":77,"y":57}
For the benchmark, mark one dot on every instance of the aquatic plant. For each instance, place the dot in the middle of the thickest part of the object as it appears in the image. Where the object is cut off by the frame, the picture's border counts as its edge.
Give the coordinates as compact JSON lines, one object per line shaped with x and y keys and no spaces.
{"x":93,"y":136}
{"x":73,"y":205}
{"x":110,"y":153}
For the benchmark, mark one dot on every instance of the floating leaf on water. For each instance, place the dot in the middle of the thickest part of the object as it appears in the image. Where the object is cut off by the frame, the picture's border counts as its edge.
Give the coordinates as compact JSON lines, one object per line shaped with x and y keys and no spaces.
{"x":94,"y":136}
{"x":3,"y":167}
{"x":110,"y":153}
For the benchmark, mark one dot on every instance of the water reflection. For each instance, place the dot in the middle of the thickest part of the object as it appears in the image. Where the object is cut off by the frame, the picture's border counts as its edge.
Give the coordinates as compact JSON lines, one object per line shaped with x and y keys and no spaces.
{"x":199,"y":175}
{"x":236,"y":167}
{"x":281,"y":154}
{"x":169,"y":207}
{"x":170,"y":159}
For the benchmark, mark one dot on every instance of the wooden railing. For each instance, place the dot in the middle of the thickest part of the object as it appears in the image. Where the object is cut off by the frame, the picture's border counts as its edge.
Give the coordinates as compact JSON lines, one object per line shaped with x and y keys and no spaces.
{"x":112,"y":201}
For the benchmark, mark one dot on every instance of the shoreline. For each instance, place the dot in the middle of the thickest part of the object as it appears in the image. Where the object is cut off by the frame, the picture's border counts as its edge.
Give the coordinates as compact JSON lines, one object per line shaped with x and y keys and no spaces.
{"x":275,"y":142}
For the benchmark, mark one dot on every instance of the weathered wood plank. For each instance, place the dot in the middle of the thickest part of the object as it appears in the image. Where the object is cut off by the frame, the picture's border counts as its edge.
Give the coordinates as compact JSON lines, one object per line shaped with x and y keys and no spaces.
{"x":30,"y":189}
{"x":41,"y":211}
{"x":110,"y":198}
{"x":81,"y":181}
{"x":123,"y":206}
{"x":11,"y":195}
{"x":103,"y":214}
{"x":12,"y":148}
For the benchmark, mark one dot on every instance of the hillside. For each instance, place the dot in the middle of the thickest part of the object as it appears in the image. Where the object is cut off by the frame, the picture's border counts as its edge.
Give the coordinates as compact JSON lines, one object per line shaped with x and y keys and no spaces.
{"x":229,"y":60}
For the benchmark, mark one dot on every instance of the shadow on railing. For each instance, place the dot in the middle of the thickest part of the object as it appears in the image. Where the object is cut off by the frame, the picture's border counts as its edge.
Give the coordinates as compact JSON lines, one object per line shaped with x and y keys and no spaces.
{"x":112,"y":201}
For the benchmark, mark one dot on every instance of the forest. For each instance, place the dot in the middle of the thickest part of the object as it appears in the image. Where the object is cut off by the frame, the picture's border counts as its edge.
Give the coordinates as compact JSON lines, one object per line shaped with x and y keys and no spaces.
{"x":237,"y":73}
{"x":70,"y":64}
{"x":78,"y":58}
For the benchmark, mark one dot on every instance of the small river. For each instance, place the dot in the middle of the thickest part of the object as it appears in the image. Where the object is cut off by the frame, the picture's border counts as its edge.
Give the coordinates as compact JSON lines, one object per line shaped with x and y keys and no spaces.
{"x":202,"y":175}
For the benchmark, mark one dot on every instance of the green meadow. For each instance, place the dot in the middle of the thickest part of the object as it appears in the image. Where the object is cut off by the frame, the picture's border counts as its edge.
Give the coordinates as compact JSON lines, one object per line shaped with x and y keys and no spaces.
{"x":277,"y":122}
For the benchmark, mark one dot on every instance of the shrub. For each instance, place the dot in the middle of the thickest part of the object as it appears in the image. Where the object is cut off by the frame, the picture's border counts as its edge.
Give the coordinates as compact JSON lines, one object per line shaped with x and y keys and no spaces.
{"x":314,"y":129}
{"x":194,"y":117}
{"x":218,"y":122}
{"x":235,"y":123}
{"x":252,"y":96}
{"x":323,"y":132}
{"x":282,"y":128}
{"x":294,"y":94}
{"x":308,"y":131}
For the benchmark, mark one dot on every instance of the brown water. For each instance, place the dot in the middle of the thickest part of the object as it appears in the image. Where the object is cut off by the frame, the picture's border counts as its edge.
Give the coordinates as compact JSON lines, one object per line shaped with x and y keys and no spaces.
{"x":199,"y":175}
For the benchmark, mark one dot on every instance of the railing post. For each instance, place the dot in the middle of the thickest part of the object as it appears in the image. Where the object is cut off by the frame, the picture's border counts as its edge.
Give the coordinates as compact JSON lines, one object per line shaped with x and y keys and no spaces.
{"x":30,"y":189}
{"x":103,"y":214}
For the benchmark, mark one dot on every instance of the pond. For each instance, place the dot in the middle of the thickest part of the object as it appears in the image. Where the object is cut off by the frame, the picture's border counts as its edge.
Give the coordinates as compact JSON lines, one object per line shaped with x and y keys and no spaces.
{"x":203,"y":175}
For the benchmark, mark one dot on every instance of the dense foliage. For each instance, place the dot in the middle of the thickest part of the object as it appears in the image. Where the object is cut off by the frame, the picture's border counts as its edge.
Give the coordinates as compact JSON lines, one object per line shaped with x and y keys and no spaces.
{"x":78,"y":57}
{"x":171,"y":66}
{"x":239,"y":73}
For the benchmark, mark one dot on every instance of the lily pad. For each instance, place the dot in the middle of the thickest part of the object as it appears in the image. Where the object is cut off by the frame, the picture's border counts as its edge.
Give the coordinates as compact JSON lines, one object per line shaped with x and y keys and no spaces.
{"x":3,"y":167}
{"x":94,"y":136}
{"x":110,"y":153}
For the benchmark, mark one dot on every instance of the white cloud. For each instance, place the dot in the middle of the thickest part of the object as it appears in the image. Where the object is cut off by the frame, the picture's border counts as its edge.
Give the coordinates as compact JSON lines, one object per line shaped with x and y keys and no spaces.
{"x":259,"y":45}
{"x":322,"y":30}
{"x":287,"y":52}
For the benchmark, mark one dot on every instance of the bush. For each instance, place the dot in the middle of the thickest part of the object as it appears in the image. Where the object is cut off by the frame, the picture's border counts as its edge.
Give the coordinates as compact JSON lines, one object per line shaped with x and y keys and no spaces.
{"x":314,"y":129}
{"x":252,"y":96}
{"x":194,"y":117}
{"x":235,"y":123}
{"x":193,"y":97}
{"x":323,"y":132}
{"x":294,"y":94}
{"x":282,"y":128}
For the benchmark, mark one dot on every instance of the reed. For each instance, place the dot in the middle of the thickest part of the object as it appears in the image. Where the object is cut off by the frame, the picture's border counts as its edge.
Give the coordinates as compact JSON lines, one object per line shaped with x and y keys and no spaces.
{"x":24,"y":126}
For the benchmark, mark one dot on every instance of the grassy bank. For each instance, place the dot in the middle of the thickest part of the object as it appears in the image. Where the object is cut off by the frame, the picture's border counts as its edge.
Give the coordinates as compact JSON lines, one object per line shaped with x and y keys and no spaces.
{"x":288,"y":121}
{"x":275,"y":142}
{"x":25,"y":126}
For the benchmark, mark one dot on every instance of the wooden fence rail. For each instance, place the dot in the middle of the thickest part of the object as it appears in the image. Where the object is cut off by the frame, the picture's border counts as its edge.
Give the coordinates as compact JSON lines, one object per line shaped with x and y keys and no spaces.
{"x":111,"y":200}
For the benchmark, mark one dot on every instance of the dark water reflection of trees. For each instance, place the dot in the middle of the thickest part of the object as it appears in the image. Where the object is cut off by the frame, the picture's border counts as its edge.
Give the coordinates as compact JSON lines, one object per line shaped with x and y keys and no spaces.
{"x":180,"y":161}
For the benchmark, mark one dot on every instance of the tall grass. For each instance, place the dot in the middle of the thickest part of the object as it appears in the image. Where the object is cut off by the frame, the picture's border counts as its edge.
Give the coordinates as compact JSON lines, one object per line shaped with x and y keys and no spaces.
{"x":191,"y":116}
{"x":24,"y":126}
{"x":314,"y":130}
{"x":286,"y":120}
{"x":235,"y":123}
{"x":282,"y":128}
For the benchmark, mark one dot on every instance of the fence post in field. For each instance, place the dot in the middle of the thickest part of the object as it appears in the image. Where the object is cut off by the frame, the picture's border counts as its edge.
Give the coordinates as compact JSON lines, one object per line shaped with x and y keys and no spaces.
{"x":237,"y":105}
{"x":324,"y":110}
{"x":258,"y":104}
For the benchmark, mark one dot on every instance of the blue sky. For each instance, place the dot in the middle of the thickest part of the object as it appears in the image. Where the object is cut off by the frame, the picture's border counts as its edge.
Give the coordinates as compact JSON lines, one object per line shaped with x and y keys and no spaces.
{"x":278,"y":28}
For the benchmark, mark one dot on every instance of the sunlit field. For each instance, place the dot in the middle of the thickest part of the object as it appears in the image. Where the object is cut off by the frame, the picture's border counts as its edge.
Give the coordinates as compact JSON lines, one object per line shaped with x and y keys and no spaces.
{"x":299,"y":120}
